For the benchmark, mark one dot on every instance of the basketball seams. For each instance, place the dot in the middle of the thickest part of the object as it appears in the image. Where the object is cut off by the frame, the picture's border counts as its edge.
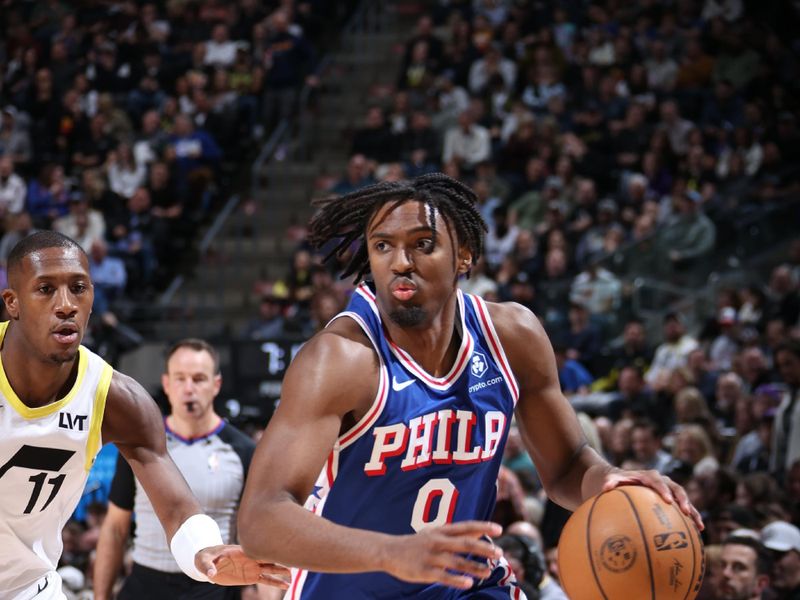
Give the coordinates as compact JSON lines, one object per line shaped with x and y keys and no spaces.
{"x":589,"y":547}
{"x":688,"y":528}
{"x":644,"y":542}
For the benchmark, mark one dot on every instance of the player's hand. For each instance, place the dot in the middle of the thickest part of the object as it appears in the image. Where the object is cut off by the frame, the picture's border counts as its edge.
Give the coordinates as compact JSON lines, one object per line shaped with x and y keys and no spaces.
{"x":438,"y":554}
{"x":663,"y":485}
{"x":228,"y":565}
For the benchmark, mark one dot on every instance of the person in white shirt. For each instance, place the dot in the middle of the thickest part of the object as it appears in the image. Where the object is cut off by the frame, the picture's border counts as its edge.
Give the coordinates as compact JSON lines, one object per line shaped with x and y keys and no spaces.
{"x":467,"y":143}
{"x":220,"y":51}
{"x":12,"y":188}
{"x":672,"y":353}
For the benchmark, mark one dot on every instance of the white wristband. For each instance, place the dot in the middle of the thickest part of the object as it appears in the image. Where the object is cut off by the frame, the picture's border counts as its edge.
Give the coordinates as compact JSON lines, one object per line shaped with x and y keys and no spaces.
{"x":197,"y":532}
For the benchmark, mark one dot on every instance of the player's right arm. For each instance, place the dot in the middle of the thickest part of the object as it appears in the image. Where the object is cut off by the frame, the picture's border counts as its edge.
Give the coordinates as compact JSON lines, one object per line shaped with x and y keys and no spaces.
{"x":333,"y":380}
{"x":110,"y":550}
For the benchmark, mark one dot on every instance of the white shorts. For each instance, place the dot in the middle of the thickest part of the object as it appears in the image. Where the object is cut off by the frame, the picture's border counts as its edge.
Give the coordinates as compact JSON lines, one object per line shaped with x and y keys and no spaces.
{"x":47,"y":588}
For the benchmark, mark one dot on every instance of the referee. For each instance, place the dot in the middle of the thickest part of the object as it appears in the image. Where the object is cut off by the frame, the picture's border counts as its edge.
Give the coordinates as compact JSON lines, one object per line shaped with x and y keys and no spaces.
{"x":213,"y":457}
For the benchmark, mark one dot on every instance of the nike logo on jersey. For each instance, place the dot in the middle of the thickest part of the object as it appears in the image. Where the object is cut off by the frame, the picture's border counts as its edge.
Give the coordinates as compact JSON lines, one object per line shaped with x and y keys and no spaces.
{"x":401,"y":385}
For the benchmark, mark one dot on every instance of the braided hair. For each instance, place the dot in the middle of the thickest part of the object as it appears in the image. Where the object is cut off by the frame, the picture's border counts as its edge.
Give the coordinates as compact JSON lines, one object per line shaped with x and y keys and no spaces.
{"x":345,"y":217}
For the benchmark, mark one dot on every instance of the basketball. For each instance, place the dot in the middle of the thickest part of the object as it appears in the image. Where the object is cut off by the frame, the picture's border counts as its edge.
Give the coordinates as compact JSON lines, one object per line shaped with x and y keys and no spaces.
{"x":628,"y":543}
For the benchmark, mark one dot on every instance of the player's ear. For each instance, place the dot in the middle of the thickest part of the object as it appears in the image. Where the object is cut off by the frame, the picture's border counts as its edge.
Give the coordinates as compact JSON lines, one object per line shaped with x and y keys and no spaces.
{"x":464,"y":260}
{"x":165,"y":383}
{"x":10,"y":298}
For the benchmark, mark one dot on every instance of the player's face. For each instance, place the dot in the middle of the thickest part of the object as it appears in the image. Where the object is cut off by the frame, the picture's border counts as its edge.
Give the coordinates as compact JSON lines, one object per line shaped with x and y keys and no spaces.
{"x":415,"y":272}
{"x":738,"y":578}
{"x":50,"y":296}
{"x":190,"y":383}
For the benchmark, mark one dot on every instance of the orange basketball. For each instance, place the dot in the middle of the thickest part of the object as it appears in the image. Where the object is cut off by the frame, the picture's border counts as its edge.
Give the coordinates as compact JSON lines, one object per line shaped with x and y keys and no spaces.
{"x":629,"y":544}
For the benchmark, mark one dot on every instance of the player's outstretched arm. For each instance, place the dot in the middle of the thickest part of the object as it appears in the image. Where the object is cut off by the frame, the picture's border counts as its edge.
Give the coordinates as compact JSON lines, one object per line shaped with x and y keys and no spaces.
{"x":133,"y":422}
{"x":570,"y":470}
{"x":329,"y":386}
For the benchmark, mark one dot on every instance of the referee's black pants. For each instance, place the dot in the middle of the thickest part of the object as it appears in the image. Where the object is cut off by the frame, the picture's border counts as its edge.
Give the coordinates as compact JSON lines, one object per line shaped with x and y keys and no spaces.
{"x":144,"y":583}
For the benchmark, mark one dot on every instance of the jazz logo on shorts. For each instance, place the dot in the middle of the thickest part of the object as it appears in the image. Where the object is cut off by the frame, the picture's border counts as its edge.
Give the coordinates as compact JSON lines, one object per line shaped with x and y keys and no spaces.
{"x":672,"y":540}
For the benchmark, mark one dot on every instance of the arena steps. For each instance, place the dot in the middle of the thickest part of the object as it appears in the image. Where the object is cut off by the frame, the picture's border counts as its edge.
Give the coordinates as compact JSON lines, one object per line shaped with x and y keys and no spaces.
{"x":218,"y":298}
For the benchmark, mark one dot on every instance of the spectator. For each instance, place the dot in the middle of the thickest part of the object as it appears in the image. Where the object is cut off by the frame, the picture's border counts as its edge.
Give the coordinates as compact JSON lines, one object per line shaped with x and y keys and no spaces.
{"x":357,"y":175}
{"x":633,"y":400}
{"x":132,"y":241}
{"x":572,"y":374}
{"x":15,"y":141}
{"x":500,"y":239}
{"x":196,"y":155}
{"x":786,"y":432}
{"x":109,"y":278}
{"x":287,"y":59}
{"x":725,"y":346}
{"x":783,"y":539}
{"x":12,"y":188}
{"x":783,"y":295}
{"x":598,"y":290}
{"x":662,"y":70}
{"x":83,"y":224}
{"x":693,"y":447}
{"x":151,"y":140}
{"x":647,"y":450}
{"x":220,"y":51}
{"x":21,"y":226}
{"x":744,"y":570}
{"x":48,"y":196}
{"x":270,"y":322}
{"x":124,"y":173}
{"x":690,"y":234}
{"x":491,"y":65}
{"x":672,"y":353}
{"x":676,"y":127}
{"x":468,"y":143}
{"x":375,"y":141}
{"x":582,"y":337}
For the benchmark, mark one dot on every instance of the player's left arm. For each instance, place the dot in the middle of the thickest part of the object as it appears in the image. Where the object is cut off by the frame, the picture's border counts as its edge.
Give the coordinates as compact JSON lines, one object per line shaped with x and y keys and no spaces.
{"x":134,"y":423}
{"x":570,"y":470}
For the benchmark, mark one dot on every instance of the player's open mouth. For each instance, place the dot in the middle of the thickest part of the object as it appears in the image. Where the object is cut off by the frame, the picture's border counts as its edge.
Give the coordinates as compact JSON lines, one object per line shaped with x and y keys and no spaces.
{"x":66,"y":334}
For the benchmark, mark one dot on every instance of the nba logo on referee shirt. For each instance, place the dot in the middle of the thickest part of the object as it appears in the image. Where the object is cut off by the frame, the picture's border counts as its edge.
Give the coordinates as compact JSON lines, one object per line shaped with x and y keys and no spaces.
{"x":479,"y":366}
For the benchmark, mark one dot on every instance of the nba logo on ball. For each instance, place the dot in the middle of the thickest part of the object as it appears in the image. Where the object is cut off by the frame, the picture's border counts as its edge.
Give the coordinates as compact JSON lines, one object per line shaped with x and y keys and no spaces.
{"x":629,"y":543}
{"x":479,"y":366}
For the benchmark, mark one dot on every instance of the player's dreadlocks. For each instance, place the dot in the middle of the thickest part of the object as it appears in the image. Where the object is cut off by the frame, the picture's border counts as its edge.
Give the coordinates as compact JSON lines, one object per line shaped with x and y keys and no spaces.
{"x":346,"y":217}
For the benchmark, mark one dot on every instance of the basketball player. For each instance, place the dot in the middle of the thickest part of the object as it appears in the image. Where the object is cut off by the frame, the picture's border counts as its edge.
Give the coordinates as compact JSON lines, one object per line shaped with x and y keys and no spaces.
{"x":213,"y":457}
{"x":393,"y":418}
{"x":59,"y":403}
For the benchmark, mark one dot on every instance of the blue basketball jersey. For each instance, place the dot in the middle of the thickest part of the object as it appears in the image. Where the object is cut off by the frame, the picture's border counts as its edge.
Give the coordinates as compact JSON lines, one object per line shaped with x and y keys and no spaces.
{"x":427,"y":453}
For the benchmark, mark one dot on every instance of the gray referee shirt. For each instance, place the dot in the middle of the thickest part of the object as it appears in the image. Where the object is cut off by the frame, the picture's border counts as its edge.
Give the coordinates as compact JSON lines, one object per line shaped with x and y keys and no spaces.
{"x":214,"y":466}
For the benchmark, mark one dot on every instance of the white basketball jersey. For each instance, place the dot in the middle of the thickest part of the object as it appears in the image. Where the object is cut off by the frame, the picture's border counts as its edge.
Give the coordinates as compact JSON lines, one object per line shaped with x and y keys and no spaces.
{"x":45,"y":456}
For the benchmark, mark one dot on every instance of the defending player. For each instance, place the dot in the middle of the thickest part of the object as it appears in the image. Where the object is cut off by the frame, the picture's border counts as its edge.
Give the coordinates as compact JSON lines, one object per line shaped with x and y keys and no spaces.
{"x":58,"y":403}
{"x":403,"y":402}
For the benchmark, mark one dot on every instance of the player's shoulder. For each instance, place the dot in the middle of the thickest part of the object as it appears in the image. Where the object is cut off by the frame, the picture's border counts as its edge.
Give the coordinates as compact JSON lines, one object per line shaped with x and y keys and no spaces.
{"x":517,"y":327}
{"x":508,"y":317}
{"x":336,"y":370}
{"x":342,"y":342}
{"x":130,"y":412}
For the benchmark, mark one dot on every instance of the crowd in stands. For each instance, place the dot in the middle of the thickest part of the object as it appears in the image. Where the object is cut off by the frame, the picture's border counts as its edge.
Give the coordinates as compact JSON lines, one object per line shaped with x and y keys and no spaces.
{"x":605,"y":141}
{"x":122,"y":123}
